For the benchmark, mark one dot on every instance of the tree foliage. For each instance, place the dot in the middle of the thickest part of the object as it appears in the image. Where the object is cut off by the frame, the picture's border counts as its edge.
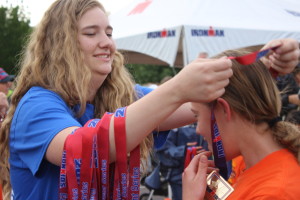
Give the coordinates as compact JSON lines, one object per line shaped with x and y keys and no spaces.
{"x":151,"y":73}
{"x":14,"y":29}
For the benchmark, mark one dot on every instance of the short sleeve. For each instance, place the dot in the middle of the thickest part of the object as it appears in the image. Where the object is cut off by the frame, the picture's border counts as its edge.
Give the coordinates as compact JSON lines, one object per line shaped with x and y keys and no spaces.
{"x":39,"y":116}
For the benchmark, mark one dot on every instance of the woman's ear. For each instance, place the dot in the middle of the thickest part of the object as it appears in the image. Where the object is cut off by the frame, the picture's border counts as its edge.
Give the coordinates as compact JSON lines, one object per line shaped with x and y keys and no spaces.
{"x":225,"y":107}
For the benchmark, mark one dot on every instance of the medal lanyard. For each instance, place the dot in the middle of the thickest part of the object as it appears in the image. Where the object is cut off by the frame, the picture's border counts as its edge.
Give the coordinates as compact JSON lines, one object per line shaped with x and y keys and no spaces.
{"x":103,"y":158}
{"x":79,"y":176}
{"x":126,"y":180}
{"x":190,"y":153}
{"x":84,"y":170}
{"x":218,"y":150}
{"x":254,"y":56}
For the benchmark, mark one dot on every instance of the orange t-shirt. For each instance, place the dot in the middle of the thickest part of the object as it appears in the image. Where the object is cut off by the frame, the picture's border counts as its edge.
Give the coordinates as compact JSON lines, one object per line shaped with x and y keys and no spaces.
{"x":275,"y":177}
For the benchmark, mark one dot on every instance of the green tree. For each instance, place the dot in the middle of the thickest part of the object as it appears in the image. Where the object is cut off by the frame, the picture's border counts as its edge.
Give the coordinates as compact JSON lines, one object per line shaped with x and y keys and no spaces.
{"x":150,"y":73}
{"x":14,"y":29}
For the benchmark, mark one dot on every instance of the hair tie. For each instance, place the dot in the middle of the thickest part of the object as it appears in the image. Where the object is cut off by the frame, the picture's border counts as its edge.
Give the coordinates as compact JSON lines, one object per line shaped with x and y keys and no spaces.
{"x":273,"y":121}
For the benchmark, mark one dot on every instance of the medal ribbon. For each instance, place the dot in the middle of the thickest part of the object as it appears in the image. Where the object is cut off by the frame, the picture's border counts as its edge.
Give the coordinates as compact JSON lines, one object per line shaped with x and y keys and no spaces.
{"x":73,"y":160}
{"x":80,"y":165}
{"x":218,"y":150}
{"x":128,"y":179}
{"x":84,"y":172}
{"x":254,"y":56}
{"x":88,"y":162}
{"x":103,"y":157}
{"x":190,"y":153}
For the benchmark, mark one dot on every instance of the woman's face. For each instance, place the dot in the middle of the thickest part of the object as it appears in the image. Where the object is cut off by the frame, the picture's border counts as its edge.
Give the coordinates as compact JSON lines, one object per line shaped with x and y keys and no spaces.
{"x":95,"y":38}
{"x":202,"y":112}
{"x":227,"y":128}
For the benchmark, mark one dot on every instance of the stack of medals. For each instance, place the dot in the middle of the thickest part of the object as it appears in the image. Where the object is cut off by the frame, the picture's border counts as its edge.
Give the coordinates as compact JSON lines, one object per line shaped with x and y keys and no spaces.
{"x":86,"y":172}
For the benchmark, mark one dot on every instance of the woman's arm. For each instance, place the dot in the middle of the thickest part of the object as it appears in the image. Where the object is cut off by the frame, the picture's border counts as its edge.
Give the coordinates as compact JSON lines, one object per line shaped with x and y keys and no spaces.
{"x":201,"y":81}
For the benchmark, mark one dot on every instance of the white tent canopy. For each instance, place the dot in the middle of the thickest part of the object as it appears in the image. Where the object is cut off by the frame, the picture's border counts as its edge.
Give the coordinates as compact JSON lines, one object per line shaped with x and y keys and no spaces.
{"x":174,"y":32}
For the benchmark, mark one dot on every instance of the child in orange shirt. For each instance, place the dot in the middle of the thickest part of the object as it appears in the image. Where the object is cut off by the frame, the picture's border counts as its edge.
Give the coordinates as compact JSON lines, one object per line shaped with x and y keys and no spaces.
{"x":248,"y":122}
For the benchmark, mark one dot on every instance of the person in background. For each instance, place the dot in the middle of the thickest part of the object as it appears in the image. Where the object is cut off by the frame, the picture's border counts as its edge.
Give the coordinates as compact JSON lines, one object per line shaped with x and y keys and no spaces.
{"x":11,"y":90}
{"x":249,"y":124}
{"x":3,"y":107}
{"x":290,"y":93}
{"x":294,"y":117}
{"x":296,"y":73}
{"x":5,"y":81}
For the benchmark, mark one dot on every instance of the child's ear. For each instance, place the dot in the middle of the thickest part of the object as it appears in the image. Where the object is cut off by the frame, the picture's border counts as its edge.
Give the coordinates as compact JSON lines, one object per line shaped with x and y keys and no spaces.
{"x":225,"y":106}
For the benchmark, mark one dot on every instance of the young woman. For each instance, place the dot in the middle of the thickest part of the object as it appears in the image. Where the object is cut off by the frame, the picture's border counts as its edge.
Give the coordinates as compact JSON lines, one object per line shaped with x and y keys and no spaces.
{"x":247,"y":115}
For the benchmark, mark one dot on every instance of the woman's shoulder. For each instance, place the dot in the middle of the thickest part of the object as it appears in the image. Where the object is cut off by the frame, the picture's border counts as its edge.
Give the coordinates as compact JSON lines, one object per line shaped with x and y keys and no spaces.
{"x":38,"y":98}
{"x":37,"y":90}
{"x":39,"y":94}
{"x":40,"y":103}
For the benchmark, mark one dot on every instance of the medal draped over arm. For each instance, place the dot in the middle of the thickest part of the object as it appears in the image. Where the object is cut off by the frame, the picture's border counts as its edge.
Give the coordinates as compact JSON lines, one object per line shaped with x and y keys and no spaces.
{"x":85,"y":169}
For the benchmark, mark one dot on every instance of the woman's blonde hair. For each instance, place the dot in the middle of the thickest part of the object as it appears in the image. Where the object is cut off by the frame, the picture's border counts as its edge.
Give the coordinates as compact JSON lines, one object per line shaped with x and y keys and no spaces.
{"x":53,"y":60}
{"x":253,"y":94}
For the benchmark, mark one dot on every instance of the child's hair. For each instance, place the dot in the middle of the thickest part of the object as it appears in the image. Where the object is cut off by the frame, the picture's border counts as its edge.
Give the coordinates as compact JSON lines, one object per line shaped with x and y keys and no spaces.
{"x":253,"y":94}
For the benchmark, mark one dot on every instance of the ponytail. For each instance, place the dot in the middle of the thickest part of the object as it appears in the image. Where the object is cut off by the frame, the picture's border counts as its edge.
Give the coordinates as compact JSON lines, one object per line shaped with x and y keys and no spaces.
{"x":288,"y":135}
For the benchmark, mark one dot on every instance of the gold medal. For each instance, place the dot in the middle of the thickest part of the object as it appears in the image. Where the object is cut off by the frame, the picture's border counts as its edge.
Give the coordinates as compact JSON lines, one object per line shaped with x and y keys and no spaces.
{"x":217,"y":188}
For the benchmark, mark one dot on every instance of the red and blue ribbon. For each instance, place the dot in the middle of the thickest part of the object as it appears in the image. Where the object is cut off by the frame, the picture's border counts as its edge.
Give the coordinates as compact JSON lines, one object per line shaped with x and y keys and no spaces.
{"x":218,"y":149}
{"x":252,"y":57}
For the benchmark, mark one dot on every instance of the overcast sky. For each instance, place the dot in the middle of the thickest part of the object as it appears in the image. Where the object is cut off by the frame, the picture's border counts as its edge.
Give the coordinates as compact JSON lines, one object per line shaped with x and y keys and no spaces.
{"x":36,"y":8}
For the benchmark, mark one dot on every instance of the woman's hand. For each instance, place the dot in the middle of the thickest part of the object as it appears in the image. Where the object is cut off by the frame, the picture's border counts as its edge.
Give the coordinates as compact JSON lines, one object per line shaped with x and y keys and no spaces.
{"x":284,"y":58}
{"x":194,"y":178}
{"x":203,"y":80}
